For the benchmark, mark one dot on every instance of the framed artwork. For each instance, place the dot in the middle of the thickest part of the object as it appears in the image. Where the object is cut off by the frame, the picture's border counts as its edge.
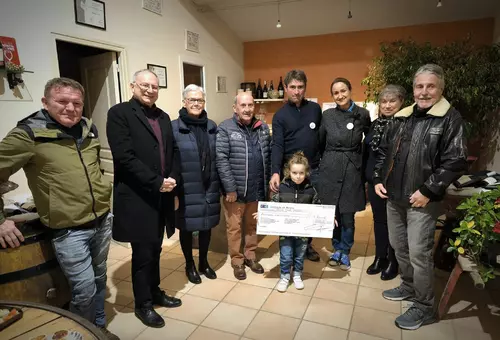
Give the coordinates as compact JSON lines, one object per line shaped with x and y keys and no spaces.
{"x":154,"y":6}
{"x":192,"y":41}
{"x":221,"y":84}
{"x":90,"y":13}
{"x":161,"y":72}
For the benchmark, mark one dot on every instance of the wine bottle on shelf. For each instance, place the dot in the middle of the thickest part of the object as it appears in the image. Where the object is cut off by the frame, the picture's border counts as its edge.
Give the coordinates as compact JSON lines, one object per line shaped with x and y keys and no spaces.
{"x":265,"y":91}
{"x":258,"y":94}
{"x":281,"y":89}
{"x":271,"y":87}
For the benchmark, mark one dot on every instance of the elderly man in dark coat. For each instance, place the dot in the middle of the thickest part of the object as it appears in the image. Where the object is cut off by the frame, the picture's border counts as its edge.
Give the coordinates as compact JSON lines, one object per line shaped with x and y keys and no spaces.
{"x":146,"y":168}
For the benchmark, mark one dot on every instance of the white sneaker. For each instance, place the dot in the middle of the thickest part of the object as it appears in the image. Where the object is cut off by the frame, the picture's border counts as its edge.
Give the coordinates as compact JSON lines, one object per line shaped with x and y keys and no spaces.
{"x":297,"y":281}
{"x":283,"y":285}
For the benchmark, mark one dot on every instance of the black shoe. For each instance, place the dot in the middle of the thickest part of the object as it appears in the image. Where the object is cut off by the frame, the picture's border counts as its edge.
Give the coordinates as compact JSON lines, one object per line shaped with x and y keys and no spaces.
{"x":192,"y":274}
{"x":390,"y":272}
{"x":149,"y":317}
{"x":207,"y":271}
{"x":311,"y":254}
{"x":162,"y":299}
{"x":377,"y":266}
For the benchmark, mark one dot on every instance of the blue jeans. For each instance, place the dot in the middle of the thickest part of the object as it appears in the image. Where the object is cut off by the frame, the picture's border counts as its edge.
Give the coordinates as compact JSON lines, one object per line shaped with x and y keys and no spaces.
{"x":292,"y":251}
{"x":82,"y":255}
{"x":343,"y":234}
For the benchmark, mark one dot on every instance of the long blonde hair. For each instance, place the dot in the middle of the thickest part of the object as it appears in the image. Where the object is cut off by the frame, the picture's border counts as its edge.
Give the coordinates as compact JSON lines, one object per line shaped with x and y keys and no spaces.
{"x":297,"y":158}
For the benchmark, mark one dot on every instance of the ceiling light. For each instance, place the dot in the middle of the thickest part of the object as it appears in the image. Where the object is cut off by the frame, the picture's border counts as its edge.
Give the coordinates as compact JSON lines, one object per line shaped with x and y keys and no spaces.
{"x":278,"y":25}
{"x":440,"y":4}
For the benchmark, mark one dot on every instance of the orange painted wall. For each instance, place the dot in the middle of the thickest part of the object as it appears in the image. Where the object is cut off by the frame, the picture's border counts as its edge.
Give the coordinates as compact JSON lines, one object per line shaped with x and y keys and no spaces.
{"x":348,"y":55}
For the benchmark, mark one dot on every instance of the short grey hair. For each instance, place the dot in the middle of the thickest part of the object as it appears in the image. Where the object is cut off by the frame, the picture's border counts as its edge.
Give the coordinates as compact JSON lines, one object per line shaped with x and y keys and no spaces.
{"x":62,"y":82}
{"x":394,"y":90}
{"x":144,"y":70}
{"x":239,"y":94}
{"x":193,"y":88}
{"x":432,"y":69}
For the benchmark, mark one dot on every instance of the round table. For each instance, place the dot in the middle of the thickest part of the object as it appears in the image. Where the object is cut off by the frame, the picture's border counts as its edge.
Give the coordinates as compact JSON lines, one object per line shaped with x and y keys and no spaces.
{"x":39,"y":319}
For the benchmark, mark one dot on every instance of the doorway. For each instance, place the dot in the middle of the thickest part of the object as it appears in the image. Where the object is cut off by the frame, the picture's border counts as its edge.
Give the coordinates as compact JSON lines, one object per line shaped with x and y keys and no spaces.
{"x":193,"y":74}
{"x":97,"y":70}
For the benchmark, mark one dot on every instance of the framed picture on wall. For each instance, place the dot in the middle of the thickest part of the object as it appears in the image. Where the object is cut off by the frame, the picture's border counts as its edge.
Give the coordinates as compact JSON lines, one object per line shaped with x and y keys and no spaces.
{"x":161,"y":72}
{"x":90,"y":13}
{"x":221,"y":84}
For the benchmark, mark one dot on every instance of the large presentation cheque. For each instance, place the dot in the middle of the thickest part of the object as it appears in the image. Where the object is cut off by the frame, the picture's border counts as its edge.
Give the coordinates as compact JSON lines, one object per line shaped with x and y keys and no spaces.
{"x":291,"y":219}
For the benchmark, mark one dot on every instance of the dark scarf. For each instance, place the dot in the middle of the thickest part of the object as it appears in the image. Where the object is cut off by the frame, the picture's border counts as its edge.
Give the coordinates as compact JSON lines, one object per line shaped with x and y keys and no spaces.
{"x":378,"y":130}
{"x":199,"y":127}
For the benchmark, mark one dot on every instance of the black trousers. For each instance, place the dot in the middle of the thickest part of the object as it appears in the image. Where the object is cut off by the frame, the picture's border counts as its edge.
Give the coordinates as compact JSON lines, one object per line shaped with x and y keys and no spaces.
{"x":186,"y":240}
{"x":145,"y":271}
{"x":383,"y":248}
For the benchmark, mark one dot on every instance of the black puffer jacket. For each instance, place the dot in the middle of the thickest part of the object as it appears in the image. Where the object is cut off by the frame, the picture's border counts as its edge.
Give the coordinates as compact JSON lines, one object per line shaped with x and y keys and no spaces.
{"x":290,"y":192}
{"x":232,"y":147}
{"x":437,"y":155}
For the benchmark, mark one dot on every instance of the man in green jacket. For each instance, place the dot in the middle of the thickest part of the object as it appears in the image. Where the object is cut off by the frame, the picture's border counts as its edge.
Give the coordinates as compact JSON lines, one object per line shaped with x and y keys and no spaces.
{"x":58,"y":150}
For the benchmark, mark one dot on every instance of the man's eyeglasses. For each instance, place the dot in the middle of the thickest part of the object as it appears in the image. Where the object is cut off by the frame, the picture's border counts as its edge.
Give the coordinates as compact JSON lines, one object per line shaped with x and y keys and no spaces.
{"x":146,"y":87}
{"x":195,"y":100}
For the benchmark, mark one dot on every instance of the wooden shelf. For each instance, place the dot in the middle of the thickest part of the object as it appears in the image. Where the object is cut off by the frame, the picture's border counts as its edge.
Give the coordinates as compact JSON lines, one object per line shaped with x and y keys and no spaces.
{"x":259,"y":101}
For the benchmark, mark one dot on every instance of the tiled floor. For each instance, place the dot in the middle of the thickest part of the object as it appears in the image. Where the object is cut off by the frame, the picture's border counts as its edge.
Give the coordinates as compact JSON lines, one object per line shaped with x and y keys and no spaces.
{"x":334,"y":304}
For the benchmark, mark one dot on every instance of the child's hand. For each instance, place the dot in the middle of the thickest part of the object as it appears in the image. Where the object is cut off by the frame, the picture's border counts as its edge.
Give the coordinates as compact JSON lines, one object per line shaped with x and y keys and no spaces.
{"x":255,"y":215}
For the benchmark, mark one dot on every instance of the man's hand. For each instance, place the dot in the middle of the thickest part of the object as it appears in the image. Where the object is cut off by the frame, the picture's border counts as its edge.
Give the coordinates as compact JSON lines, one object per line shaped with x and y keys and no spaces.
{"x":176,"y":203}
{"x":10,"y":235}
{"x":418,"y":200}
{"x":231,"y":197}
{"x":168,"y":185}
{"x":274,"y":183}
{"x":380,"y":190}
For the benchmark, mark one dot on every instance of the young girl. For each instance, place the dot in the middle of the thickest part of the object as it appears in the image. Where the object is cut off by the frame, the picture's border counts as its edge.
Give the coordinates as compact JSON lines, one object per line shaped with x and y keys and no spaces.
{"x":295,"y":188}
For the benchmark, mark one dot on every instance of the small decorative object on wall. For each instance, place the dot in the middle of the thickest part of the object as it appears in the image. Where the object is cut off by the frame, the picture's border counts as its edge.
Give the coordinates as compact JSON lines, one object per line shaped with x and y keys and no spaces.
{"x":192,"y":41}
{"x":154,"y":6}
{"x":161,"y":72}
{"x":11,"y":62}
{"x":221,"y":84}
{"x":90,"y":13}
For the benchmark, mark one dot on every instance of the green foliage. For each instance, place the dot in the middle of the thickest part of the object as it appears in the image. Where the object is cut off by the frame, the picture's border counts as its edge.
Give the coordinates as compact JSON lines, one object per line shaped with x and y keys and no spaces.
{"x":479,"y":228}
{"x":472,"y":76}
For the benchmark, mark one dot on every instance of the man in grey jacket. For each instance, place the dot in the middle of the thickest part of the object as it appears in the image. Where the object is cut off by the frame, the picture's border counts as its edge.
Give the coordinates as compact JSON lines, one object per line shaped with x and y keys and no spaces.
{"x":243,"y":161}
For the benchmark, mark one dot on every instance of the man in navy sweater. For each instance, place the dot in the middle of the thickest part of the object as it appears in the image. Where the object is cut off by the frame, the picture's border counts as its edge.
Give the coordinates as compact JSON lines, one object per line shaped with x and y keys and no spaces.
{"x":295,"y":127}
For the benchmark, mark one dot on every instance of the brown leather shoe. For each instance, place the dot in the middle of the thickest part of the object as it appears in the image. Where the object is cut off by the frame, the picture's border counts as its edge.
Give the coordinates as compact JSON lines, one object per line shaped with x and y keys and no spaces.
{"x":254,"y":266}
{"x":239,"y":272}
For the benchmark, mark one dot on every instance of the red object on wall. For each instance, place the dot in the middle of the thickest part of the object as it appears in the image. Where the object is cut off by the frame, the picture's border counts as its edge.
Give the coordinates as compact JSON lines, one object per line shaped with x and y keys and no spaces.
{"x":10,"y":50}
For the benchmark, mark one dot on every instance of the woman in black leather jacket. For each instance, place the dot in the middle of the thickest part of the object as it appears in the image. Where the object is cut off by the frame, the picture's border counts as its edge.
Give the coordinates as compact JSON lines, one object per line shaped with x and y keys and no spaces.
{"x":391,"y":99}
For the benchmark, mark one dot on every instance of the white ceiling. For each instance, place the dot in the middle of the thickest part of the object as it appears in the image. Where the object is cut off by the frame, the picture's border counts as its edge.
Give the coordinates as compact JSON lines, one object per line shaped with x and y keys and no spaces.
{"x":256,"y":19}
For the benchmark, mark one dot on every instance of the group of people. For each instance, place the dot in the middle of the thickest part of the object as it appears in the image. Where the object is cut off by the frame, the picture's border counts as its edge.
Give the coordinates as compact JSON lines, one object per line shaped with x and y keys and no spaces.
{"x":170,"y":174}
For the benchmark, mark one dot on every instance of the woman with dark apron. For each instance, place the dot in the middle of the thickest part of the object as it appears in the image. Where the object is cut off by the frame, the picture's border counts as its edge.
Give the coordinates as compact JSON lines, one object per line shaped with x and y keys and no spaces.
{"x":340,"y":173}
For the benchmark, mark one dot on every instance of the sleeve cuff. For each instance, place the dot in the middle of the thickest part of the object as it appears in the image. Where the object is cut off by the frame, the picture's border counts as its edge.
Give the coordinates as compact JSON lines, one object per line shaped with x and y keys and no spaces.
{"x":377,"y":180}
{"x":427,"y":193}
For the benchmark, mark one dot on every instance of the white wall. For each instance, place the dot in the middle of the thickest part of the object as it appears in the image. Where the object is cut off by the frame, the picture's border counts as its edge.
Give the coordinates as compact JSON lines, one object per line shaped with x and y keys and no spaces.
{"x":146,"y":37}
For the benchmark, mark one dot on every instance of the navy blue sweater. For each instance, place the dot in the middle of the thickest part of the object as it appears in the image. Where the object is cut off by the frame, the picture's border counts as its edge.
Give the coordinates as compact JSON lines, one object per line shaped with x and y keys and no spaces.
{"x":296,"y":129}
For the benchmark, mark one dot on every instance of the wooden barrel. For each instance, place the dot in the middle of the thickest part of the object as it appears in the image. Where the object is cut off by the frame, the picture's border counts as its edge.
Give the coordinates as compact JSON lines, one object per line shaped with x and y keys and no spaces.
{"x":31,"y":272}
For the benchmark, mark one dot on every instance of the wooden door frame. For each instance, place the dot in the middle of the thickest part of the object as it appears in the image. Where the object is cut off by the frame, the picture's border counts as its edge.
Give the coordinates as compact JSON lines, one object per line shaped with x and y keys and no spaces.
{"x":121,"y":59}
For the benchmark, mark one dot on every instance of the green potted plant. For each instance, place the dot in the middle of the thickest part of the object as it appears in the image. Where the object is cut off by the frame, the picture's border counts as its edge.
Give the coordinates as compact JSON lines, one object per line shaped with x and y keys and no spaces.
{"x":479,"y":231}
{"x":14,"y":72}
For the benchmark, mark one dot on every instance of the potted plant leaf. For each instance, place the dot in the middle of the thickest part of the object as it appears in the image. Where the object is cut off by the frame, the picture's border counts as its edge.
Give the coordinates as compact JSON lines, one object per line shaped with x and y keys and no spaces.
{"x":478,"y":235}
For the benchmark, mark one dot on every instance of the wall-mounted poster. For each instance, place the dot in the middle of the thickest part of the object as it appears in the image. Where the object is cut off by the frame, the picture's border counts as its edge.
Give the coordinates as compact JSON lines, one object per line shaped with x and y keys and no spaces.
{"x":192,"y":41}
{"x":90,"y":13}
{"x":221,"y":84}
{"x":9,"y":48}
{"x":161,"y":72}
{"x":152,"y":6}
